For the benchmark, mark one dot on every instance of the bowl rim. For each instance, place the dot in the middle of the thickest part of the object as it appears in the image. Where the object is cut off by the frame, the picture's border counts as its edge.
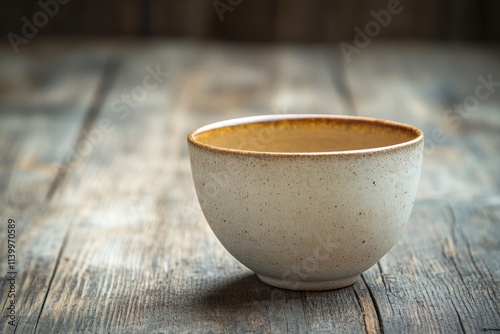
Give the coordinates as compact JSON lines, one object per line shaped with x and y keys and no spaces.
{"x":270,"y":118}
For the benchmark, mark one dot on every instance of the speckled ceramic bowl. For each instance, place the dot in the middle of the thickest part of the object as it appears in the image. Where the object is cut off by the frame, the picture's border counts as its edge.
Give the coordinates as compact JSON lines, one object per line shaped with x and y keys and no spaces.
{"x":308,"y":202}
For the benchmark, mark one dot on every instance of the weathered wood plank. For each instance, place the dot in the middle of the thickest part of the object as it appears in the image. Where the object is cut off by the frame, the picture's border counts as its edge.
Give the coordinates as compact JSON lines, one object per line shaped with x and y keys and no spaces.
{"x":129,"y":173}
{"x":311,"y":81}
{"x":124,"y":247}
{"x":43,"y":109}
{"x":139,"y":255}
{"x":443,"y":275}
{"x":420,"y":85}
{"x":238,"y":81}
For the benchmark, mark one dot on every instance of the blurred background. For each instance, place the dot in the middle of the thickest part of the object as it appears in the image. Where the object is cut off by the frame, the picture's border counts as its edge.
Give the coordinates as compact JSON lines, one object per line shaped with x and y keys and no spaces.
{"x":302,"y":21}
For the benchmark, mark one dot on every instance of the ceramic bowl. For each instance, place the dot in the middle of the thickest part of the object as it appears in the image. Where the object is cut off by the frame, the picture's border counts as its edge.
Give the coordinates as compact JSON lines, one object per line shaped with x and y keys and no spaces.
{"x":308,"y":202}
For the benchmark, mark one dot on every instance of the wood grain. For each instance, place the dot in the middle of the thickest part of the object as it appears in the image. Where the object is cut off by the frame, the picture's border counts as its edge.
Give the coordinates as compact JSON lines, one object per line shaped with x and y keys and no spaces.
{"x":118,"y":243}
{"x":431,"y":278}
{"x":117,"y":251}
{"x":43,"y":110}
{"x":420,"y":85}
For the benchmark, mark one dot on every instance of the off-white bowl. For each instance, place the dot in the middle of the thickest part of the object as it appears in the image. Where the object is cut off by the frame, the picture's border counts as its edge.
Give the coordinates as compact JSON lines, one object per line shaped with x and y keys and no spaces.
{"x":308,"y":202}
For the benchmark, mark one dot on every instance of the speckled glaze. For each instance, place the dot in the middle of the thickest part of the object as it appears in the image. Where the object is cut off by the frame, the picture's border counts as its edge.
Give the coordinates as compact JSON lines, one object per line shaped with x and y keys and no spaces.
{"x":306,"y":220}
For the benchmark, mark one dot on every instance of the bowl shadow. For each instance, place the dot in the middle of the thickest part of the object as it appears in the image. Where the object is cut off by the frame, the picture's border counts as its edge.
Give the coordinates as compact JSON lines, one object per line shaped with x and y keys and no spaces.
{"x":241,"y":302}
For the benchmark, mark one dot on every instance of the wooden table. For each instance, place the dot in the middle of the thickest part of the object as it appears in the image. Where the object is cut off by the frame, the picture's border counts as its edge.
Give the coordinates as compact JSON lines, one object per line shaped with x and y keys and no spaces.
{"x":109,"y":236}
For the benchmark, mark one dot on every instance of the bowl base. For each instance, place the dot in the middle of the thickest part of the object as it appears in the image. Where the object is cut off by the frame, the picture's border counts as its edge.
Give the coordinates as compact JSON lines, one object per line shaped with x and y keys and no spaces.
{"x":309,"y":286}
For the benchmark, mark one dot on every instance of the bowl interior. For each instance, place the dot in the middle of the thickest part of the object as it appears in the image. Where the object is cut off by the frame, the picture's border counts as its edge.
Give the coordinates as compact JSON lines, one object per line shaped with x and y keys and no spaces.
{"x":304,"y":134}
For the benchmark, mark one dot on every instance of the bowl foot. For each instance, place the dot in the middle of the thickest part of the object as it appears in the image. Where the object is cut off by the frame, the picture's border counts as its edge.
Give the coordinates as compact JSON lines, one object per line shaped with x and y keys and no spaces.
{"x":309,"y":286}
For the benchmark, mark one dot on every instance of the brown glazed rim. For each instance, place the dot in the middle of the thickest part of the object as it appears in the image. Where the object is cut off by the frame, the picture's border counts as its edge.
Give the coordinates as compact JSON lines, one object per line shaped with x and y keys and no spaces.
{"x":419,"y":136}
